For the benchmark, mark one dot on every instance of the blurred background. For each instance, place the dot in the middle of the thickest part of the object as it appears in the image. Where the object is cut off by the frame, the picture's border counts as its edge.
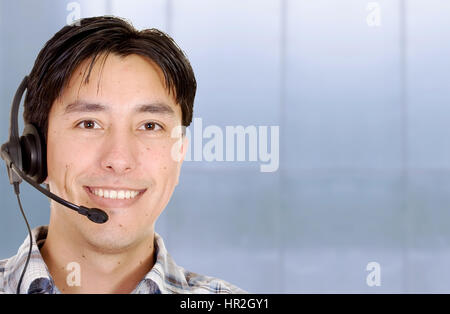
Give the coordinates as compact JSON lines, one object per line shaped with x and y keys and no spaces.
{"x":360,"y":91}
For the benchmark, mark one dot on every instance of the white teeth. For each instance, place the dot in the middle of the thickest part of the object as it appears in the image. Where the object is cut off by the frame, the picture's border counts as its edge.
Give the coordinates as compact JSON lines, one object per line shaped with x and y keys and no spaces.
{"x":114,"y":194}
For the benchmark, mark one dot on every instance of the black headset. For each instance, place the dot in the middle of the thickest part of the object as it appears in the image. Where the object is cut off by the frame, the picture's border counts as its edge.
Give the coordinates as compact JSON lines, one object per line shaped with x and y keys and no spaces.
{"x":27,"y":152}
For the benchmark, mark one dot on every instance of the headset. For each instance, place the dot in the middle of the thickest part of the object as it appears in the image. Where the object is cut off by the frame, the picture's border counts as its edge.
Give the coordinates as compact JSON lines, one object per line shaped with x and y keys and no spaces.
{"x":26,"y":158}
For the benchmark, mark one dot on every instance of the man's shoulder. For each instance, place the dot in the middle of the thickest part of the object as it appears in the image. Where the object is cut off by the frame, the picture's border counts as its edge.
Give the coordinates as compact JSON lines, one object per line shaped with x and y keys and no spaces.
{"x":173,"y":278}
{"x":207,"y":284}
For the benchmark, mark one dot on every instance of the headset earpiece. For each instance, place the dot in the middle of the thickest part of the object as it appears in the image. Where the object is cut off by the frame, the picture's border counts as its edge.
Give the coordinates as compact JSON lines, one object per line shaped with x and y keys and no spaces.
{"x":33,"y":151}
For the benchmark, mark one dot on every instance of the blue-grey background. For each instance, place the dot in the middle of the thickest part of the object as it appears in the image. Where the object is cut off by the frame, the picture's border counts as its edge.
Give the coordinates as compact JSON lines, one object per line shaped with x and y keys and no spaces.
{"x":364,"y":118}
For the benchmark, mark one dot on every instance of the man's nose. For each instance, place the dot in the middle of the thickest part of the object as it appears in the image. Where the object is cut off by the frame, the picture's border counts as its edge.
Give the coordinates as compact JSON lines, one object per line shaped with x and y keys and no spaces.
{"x":118,"y":152}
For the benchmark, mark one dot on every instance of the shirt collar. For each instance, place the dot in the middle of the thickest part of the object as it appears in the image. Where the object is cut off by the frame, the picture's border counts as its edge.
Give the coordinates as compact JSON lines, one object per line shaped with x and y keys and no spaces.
{"x":168,"y":276}
{"x":164,"y":277}
{"x":37,"y":278}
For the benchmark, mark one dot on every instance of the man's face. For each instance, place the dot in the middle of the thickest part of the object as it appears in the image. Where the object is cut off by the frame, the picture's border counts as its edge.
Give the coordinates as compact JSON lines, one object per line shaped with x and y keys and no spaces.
{"x":110,"y":146}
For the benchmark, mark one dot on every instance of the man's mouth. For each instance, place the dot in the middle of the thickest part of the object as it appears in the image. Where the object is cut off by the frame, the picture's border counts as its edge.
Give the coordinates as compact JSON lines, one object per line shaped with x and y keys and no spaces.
{"x":115,"y":197}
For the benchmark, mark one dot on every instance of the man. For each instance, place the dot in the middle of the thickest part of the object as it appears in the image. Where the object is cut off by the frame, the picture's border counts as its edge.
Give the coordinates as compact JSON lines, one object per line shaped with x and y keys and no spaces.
{"x":109,"y":101}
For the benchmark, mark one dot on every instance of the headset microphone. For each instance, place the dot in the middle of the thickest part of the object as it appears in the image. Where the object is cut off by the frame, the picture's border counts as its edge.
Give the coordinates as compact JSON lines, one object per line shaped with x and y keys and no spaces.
{"x":94,"y":214}
{"x":25,"y":159}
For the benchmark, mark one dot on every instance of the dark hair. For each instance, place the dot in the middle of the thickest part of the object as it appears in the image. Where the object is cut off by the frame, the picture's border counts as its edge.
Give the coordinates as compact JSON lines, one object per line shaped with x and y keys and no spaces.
{"x":91,"y":38}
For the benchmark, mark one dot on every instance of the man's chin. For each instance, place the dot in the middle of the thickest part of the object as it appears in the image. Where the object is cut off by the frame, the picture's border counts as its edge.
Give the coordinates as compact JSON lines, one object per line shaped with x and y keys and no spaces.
{"x":114,"y":236}
{"x":109,"y":243}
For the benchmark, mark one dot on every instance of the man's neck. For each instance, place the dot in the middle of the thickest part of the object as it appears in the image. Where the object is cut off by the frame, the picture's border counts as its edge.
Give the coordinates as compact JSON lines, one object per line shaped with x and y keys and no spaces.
{"x":77,"y":268}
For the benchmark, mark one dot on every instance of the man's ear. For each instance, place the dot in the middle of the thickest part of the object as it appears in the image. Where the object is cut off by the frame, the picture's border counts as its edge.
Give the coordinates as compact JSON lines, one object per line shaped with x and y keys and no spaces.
{"x":183,"y":146}
{"x":46,"y":183}
{"x":180,"y":146}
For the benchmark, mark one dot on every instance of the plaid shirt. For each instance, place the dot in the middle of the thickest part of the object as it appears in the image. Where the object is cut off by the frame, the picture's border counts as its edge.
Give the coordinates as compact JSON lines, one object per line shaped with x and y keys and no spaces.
{"x":164,"y":277}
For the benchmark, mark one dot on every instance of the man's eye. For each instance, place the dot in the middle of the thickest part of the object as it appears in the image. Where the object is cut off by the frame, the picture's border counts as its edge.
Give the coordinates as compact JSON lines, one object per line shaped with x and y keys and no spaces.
{"x":88,"y":124}
{"x":150,"y":126}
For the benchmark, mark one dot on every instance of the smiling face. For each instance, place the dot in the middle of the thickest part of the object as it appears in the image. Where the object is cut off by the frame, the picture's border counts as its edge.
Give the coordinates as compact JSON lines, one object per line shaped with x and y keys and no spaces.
{"x":110,"y":145}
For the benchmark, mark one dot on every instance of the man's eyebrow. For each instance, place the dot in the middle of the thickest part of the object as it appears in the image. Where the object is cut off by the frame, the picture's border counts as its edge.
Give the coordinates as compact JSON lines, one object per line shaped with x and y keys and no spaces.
{"x":156,"y":107}
{"x":83,"y":106}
